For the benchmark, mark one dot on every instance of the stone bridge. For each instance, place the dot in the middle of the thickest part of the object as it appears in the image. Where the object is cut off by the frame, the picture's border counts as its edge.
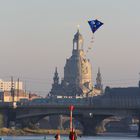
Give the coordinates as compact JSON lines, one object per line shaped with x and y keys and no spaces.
{"x":89,"y":116}
{"x":90,"y":111}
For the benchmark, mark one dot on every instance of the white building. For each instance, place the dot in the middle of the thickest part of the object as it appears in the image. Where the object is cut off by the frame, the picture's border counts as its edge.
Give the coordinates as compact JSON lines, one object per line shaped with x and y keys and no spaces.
{"x":6,"y":85}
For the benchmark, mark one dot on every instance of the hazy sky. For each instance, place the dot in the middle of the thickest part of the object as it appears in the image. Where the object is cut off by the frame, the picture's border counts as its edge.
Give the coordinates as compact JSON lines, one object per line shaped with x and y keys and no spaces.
{"x":36,"y":36}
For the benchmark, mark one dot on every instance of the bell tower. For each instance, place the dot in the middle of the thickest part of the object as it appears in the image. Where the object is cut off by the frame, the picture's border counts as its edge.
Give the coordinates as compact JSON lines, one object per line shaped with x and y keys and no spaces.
{"x":78,"y":41}
{"x":56,"y":77}
{"x":99,"y":85}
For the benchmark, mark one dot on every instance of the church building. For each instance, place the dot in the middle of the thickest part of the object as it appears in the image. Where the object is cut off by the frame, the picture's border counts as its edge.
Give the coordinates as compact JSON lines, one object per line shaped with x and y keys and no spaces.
{"x":77,"y":79}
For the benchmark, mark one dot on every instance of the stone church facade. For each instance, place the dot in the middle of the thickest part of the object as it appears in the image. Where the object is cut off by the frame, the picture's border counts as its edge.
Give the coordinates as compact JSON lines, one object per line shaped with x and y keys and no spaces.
{"x":77,"y":74}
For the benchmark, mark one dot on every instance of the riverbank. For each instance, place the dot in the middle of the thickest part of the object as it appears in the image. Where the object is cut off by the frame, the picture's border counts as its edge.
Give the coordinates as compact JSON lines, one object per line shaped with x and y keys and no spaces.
{"x":27,"y":131}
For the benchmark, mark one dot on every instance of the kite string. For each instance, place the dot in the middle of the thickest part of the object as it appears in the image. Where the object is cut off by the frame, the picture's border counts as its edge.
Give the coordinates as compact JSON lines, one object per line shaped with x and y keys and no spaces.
{"x":91,"y":43}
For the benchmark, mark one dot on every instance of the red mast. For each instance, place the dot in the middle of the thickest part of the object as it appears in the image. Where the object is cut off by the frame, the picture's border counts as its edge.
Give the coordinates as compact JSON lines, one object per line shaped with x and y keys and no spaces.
{"x":71,"y":109}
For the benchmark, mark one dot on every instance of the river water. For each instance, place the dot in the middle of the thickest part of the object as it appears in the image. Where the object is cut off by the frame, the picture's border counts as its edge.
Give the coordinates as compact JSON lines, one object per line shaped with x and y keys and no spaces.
{"x":118,"y":136}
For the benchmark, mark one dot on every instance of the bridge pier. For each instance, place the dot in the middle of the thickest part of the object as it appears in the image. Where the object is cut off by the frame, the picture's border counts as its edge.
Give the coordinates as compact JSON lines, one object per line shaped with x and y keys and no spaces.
{"x":89,"y":127}
{"x":3,"y":118}
{"x":11,"y":116}
{"x":90,"y":124}
{"x":139,"y":127}
{"x":7,"y":116}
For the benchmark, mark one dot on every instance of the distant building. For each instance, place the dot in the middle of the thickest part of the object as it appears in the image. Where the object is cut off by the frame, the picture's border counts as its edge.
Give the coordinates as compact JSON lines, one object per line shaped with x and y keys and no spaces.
{"x":13,"y":91}
{"x":122,"y":96}
{"x":77,"y":79}
{"x":6,"y":85}
{"x":6,"y":96}
{"x":122,"y":92}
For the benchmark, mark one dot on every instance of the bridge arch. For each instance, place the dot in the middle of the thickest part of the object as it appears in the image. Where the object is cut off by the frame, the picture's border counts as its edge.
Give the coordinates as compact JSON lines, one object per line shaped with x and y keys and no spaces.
{"x":89,"y":123}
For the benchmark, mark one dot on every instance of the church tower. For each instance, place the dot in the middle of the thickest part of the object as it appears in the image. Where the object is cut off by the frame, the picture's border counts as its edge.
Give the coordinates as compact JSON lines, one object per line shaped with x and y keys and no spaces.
{"x":99,"y":85}
{"x":77,"y":71}
{"x":56,"y":77}
{"x":56,"y":87}
{"x":72,"y":69}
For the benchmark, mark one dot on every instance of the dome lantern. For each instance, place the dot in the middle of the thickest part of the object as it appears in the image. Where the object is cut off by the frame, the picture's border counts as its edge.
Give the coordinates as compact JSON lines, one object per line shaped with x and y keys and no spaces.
{"x":78,"y":41}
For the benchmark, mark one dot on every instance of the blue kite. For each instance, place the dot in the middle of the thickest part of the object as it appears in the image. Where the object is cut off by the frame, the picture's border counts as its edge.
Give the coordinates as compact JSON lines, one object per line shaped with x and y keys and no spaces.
{"x":94,"y":25}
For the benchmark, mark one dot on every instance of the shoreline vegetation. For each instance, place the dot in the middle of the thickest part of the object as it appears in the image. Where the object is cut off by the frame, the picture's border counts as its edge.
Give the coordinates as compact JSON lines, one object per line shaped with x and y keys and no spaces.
{"x":28,"y":131}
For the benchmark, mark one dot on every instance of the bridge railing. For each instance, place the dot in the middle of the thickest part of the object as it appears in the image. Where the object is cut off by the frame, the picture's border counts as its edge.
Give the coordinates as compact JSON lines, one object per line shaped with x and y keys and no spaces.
{"x":131,"y":102}
{"x":81,"y":101}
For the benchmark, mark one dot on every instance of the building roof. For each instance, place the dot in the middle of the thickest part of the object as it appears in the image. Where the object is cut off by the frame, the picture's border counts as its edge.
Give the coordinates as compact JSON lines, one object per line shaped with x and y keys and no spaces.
{"x":123,"y":91}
